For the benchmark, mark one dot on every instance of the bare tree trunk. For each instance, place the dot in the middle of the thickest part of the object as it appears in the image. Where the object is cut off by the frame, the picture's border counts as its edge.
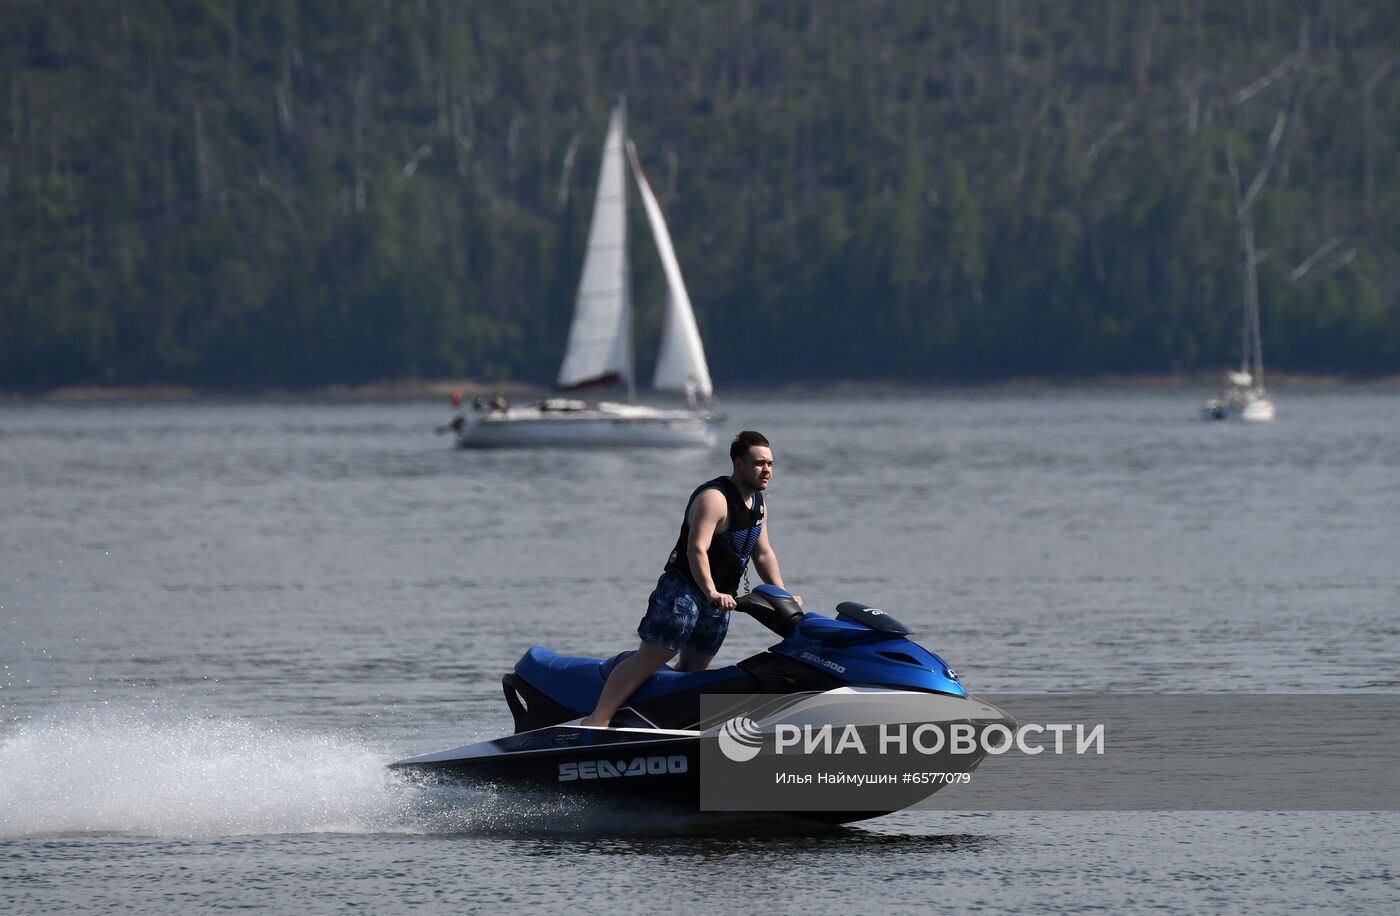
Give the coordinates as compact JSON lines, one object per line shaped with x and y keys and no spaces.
{"x":566,"y":172}
{"x":512,"y":143}
{"x":232,"y":13}
{"x":168,"y":182}
{"x":15,"y":113}
{"x":1142,"y":61}
{"x":359,"y":101}
{"x":201,"y":156}
{"x":1368,"y":120}
{"x":1111,"y":25}
{"x":284,"y":91}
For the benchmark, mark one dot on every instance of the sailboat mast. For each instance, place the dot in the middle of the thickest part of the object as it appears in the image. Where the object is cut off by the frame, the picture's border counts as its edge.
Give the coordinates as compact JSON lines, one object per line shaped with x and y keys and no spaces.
{"x":627,"y":269}
{"x":1256,"y":341}
{"x":1246,"y":324}
{"x":1252,"y":360}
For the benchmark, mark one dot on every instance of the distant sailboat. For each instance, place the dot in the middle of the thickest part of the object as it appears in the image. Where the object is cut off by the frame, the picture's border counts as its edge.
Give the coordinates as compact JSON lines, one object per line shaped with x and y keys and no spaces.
{"x":599,"y":350}
{"x":1245,"y":397}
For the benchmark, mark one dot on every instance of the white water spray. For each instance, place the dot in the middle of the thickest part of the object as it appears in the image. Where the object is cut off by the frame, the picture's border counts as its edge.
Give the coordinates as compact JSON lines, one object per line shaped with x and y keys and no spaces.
{"x":162,"y":774}
{"x":156,"y":772}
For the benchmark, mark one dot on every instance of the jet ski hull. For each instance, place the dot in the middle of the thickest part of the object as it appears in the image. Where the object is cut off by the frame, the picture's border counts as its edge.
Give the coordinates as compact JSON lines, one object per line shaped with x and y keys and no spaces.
{"x":591,"y":761}
{"x":857,"y":670}
{"x":659,"y":769}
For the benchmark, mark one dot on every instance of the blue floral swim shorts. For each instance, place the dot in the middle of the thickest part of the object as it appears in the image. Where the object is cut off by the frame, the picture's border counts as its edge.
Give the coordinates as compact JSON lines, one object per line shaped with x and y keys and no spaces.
{"x":679,"y":617}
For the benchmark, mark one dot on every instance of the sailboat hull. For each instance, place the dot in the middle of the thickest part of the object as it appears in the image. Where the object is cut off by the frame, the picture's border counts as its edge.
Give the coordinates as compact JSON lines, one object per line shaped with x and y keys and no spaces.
{"x":624,"y":425}
{"x":1260,"y":410}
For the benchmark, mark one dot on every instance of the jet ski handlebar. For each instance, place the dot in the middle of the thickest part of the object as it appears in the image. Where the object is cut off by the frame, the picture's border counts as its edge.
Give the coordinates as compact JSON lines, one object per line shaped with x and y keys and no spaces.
{"x":773,"y":607}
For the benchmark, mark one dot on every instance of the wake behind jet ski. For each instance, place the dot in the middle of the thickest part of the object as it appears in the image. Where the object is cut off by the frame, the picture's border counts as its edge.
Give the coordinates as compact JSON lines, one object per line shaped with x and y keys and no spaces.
{"x":856,"y":668}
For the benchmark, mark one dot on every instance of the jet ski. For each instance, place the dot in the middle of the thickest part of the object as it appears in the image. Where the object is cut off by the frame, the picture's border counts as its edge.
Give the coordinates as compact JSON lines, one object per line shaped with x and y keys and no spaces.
{"x":822,"y":670}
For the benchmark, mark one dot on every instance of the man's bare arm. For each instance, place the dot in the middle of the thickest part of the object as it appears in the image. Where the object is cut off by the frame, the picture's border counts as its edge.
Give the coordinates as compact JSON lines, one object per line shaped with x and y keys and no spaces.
{"x":765,"y":560}
{"x":707,"y":513}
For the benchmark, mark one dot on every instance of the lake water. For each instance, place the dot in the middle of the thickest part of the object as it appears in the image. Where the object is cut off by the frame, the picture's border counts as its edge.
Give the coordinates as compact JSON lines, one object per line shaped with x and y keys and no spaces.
{"x":219,"y":620}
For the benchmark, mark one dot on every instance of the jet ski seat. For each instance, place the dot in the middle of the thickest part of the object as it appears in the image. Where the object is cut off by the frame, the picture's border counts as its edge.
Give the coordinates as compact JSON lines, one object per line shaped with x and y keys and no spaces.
{"x":575,"y":680}
{"x":547,"y":688}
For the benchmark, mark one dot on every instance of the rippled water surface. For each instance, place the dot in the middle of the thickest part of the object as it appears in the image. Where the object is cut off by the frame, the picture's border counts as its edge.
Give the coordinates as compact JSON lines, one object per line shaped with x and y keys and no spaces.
{"x":218,"y":622}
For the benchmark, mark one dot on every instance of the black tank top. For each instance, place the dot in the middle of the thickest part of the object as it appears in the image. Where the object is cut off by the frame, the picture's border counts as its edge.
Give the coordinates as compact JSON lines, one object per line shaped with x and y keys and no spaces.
{"x":730,"y":550}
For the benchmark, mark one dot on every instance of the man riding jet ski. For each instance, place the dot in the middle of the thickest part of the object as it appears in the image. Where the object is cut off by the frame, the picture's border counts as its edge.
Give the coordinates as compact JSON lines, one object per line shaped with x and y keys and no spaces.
{"x":856,"y":668}
{"x":723,"y":528}
{"x":632,"y":726}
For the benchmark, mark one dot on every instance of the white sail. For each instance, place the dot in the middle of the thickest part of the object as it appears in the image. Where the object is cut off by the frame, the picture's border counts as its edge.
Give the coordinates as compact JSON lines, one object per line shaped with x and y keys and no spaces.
{"x":599,"y":340}
{"x":680,"y":363}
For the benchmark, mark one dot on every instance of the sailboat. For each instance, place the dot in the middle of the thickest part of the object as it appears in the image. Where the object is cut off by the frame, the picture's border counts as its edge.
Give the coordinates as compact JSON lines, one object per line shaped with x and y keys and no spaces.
{"x":1242,"y":399}
{"x":1245,"y":397}
{"x":599,"y":350}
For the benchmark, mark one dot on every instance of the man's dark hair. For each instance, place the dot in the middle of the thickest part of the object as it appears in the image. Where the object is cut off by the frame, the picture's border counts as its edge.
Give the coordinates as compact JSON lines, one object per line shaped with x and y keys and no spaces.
{"x":745,"y":441}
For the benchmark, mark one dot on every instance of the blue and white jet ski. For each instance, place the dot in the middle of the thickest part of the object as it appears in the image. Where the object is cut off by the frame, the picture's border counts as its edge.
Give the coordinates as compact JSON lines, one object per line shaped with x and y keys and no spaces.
{"x":651,"y":750}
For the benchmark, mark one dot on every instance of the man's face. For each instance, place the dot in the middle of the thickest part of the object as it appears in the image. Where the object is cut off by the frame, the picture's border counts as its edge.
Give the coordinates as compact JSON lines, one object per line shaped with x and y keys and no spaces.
{"x":756,"y":468}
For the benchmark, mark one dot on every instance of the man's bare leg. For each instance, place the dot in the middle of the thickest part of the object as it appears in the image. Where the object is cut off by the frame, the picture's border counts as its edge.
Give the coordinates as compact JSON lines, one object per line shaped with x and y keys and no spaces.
{"x":629,"y":674}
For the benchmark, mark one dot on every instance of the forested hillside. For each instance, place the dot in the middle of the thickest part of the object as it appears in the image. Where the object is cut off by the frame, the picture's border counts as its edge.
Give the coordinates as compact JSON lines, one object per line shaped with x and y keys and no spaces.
{"x":228,"y":192}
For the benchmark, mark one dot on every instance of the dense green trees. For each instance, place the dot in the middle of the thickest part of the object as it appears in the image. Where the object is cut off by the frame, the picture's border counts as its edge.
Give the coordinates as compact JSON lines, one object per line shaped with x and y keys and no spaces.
{"x":228,"y":192}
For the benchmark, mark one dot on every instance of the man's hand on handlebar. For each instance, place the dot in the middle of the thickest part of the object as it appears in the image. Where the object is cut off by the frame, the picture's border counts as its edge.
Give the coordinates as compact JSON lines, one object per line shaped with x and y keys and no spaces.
{"x":722,"y":600}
